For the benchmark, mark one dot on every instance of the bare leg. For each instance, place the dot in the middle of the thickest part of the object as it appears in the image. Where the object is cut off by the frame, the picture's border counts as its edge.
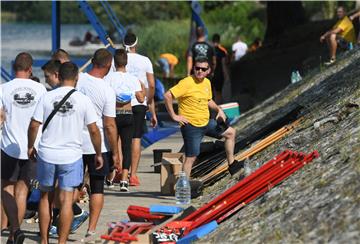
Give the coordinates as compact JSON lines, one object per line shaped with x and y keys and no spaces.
{"x":135,"y":155}
{"x":66,"y":215}
{"x":45,"y":215}
{"x":95,"y":205}
{"x":124,"y":174}
{"x":21,"y":192}
{"x":332,"y":43}
{"x":187,"y":166}
{"x":10,"y":206}
{"x":229,"y":136}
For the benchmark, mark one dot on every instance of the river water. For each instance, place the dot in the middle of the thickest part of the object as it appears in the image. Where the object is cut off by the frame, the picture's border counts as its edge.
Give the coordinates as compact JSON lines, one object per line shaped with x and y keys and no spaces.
{"x":36,"y":39}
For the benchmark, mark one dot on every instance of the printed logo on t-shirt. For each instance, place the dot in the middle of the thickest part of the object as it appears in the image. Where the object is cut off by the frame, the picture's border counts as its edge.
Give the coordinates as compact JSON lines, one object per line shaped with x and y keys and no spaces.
{"x":24,"y":97}
{"x":201,"y":50}
{"x":66,"y":109}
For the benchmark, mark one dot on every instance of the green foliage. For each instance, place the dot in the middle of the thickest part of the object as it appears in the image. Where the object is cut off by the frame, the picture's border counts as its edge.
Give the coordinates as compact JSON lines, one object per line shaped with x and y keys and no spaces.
{"x":163,"y":36}
{"x":235,"y":19}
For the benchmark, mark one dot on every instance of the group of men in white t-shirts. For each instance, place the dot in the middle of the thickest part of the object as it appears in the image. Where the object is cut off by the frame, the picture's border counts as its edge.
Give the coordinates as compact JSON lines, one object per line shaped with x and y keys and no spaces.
{"x":101,"y":138}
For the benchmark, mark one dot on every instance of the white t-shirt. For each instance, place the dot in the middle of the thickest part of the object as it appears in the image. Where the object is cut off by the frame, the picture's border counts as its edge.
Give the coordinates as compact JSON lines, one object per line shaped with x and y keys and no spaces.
{"x":138,"y":65}
{"x":63,"y":137}
{"x":103,"y":99}
{"x":18,"y":100}
{"x":240,"y":49}
{"x":123,"y":83}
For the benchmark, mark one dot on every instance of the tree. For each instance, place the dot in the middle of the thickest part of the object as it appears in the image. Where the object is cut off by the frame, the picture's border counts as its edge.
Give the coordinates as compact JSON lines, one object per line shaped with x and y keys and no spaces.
{"x":282,"y":16}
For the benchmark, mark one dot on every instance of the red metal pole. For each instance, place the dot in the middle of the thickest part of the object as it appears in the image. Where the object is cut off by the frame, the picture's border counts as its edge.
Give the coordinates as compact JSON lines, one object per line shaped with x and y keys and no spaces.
{"x":282,"y":156}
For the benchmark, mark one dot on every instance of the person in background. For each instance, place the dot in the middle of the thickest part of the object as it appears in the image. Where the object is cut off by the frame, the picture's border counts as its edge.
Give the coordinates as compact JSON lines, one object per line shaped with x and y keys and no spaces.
{"x":354,"y":16}
{"x":59,"y":156}
{"x":18,"y":101}
{"x":61,"y":55}
{"x":195,"y":102}
{"x":255,"y":45}
{"x":221,"y":70}
{"x":167,"y":63}
{"x":141,"y":67}
{"x":341,"y":34}
{"x":239,"y":49}
{"x":127,"y":87}
{"x":201,"y":48}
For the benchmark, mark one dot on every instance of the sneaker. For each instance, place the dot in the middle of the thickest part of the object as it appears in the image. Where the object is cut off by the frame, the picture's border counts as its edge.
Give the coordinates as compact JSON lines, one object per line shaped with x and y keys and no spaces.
{"x":90,"y":237}
{"x":78,"y":220}
{"x":330,"y":62}
{"x":117,"y":177}
{"x":109,"y":183}
{"x":19,"y":237}
{"x":53,"y":231}
{"x":134,"y":181}
{"x":235,"y":167}
{"x":124,"y":186}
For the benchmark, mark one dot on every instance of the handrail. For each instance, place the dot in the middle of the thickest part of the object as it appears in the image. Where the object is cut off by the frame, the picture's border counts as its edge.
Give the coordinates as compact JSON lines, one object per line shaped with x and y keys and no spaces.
{"x":5,"y":75}
{"x":114,"y":20}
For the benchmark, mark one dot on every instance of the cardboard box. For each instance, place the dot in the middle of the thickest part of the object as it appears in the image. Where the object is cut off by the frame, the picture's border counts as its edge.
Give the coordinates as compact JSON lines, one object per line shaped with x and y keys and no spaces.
{"x":170,"y":168}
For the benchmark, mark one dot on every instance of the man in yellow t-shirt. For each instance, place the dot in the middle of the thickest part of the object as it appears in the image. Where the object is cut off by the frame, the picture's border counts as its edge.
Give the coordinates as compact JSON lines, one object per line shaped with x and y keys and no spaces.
{"x":341,"y":34}
{"x":194,"y":97}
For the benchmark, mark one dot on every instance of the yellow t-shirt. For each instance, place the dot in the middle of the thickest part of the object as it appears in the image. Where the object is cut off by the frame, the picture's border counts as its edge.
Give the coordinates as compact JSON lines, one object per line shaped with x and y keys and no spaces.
{"x":171,"y":58}
{"x":193,"y":98}
{"x":347,"y":27}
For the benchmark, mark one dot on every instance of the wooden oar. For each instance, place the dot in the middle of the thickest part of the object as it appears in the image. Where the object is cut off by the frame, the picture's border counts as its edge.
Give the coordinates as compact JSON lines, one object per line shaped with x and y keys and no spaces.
{"x":277,"y":135}
{"x":89,"y":61}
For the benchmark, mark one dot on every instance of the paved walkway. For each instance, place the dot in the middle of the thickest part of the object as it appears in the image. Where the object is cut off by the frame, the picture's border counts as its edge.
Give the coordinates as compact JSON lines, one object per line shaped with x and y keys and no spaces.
{"x":117,"y":202}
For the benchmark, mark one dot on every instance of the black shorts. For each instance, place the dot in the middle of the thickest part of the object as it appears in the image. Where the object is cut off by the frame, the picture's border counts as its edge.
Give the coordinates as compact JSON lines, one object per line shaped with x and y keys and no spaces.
{"x":13,"y":169}
{"x":89,"y":162}
{"x":124,"y":123}
{"x":139,"y":112}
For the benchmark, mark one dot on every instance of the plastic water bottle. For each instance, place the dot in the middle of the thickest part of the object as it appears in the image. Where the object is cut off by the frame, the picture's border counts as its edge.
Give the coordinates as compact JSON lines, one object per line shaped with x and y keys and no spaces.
{"x":298,"y":76}
{"x":293,"y":77}
{"x":182,"y":189}
{"x":351,"y":46}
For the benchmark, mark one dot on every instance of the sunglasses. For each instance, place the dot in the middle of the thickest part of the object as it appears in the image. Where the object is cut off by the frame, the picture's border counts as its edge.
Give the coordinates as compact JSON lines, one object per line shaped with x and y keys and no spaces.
{"x":201,"y":68}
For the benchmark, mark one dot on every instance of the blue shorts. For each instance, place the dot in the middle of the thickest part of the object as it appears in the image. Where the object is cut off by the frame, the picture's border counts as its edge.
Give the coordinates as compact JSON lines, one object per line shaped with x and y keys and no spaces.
{"x":193,"y":135}
{"x":69,"y":176}
{"x":164,"y":65}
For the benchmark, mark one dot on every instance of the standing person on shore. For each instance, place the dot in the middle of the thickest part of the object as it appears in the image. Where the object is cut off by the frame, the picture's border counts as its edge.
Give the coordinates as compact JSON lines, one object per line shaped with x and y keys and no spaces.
{"x":51,"y":73}
{"x":221,"y":72}
{"x":59,"y":157}
{"x":239,"y":49}
{"x":127,"y":88}
{"x":195,"y":100}
{"x":18,"y":101}
{"x":103,"y":99}
{"x":141,"y":67}
{"x":201,"y":48}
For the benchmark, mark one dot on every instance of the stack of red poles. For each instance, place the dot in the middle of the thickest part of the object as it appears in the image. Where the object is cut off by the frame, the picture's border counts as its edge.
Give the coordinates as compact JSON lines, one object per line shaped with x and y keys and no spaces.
{"x":258,"y":183}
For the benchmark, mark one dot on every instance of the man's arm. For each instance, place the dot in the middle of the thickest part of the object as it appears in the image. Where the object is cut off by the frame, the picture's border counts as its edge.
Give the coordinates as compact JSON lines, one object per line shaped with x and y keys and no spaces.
{"x":354,"y":16}
{"x":152,"y":110}
{"x":168,"y":99}
{"x":96,"y":141}
{"x":189,"y":65}
{"x":213,"y":106}
{"x":32,"y":133}
{"x":151,"y":90}
{"x":328,"y":33}
{"x":111,"y":135}
{"x":140,"y":95}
